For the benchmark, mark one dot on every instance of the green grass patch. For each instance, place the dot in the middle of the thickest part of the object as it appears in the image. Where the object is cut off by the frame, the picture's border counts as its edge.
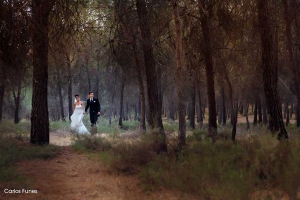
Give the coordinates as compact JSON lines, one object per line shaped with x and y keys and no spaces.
{"x":9,"y":127}
{"x":86,"y":143}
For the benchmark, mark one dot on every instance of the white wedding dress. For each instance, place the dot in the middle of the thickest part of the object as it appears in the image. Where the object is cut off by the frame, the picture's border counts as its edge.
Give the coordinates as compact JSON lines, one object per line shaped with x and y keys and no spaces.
{"x":76,"y":121}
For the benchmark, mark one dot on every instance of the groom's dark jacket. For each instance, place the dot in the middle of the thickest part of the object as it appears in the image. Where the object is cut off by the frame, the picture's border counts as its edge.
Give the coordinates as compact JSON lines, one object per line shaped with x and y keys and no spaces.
{"x":94,"y":105}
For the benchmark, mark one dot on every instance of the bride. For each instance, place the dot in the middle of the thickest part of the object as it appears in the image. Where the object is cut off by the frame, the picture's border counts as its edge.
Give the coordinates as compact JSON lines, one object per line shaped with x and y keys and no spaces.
{"x":77,"y":116}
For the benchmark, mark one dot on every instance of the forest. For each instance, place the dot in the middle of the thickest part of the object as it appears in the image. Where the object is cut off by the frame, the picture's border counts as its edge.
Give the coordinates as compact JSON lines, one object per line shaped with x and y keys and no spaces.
{"x":199,"y":98}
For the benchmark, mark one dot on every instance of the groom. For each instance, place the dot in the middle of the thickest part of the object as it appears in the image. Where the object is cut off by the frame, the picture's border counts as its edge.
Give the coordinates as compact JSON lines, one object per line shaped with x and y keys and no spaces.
{"x":94,"y":105}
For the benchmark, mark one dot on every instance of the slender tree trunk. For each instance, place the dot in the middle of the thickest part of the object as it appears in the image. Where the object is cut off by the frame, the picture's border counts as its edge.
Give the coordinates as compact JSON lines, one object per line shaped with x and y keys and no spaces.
{"x":60,"y":96}
{"x":141,"y":87}
{"x":270,"y":71}
{"x":223,"y":108}
{"x":135,"y":112}
{"x":179,"y":81}
{"x":259,"y":108}
{"x":234,"y":106}
{"x":39,"y":114}
{"x":70,"y":81}
{"x":286,"y":107}
{"x":284,"y":110}
{"x":155,"y":118}
{"x":2,"y":92}
{"x":111,"y":109}
{"x":265,"y":114}
{"x":288,"y":13}
{"x":127,"y":111}
{"x":17,"y":99}
{"x":200,"y":114}
{"x":219,"y":111}
{"x":193,"y":106}
{"x":209,"y":68}
{"x":98,"y":78}
{"x":255,"y":113}
{"x":88,"y":74}
{"x":172,"y":109}
{"x":121,"y":103}
{"x":246,"y":115}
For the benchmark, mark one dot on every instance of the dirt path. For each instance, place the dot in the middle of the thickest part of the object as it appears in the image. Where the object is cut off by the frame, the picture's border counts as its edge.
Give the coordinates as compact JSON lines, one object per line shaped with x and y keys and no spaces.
{"x":73,"y":175}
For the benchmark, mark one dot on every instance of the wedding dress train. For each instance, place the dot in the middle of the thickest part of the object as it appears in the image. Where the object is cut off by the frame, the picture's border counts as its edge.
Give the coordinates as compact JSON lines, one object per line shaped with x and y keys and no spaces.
{"x":77,"y":124}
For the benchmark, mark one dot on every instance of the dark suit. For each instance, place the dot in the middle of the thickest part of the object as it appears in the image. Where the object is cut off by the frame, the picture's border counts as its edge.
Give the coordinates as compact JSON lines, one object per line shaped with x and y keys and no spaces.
{"x":95,"y":107}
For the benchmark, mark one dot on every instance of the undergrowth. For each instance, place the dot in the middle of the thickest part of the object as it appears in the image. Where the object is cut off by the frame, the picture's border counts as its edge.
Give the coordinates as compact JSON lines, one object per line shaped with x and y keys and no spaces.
{"x":252,"y":166}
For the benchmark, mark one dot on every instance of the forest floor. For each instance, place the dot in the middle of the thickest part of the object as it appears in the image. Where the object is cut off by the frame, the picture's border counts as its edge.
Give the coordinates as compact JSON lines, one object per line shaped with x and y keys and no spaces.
{"x":73,"y":175}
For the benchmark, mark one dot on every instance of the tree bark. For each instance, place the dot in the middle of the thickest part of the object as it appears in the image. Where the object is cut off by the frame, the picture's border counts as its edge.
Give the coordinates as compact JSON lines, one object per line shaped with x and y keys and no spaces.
{"x":270,"y":71}
{"x":70,"y":81}
{"x":265,"y":114}
{"x":286,"y":107}
{"x":2,"y":92}
{"x":289,"y":45}
{"x":121,"y":103}
{"x":60,"y":96}
{"x":98,"y":77}
{"x":17,"y":99}
{"x":246,"y":115}
{"x":234,"y":106}
{"x":179,"y":80}
{"x":2,"y":89}
{"x":209,"y":68}
{"x":39,"y":115}
{"x":199,"y":113}
{"x":88,"y":74}
{"x":223,"y":108}
{"x":141,"y":86}
{"x":259,"y":108}
{"x":193,"y":106}
{"x":155,"y":118}
{"x":255,"y":113}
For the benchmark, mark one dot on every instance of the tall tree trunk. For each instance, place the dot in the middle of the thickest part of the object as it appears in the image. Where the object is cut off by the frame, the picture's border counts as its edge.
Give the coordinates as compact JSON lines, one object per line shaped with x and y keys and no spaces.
{"x":234,"y":106}
{"x":121,"y":103}
{"x":17,"y":99}
{"x":111,"y":109}
{"x":199,"y":113}
{"x":259,"y":108}
{"x":70,"y":81}
{"x":246,"y":115}
{"x":142,"y":100}
{"x":135,"y":112}
{"x":270,"y":71}
{"x":193,"y":106}
{"x":172,"y":109}
{"x":209,"y":68}
{"x":288,"y":13}
{"x":179,"y":81}
{"x":2,"y":92}
{"x":155,"y":118}
{"x":265,"y":114}
{"x":255,"y":113}
{"x":98,"y":77}
{"x":223,"y":108}
{"x":127,"y":111}
{"x":286,"y":107}
{"x":60,"y":96}
{"x":88,"y":74}
{"x":39,"y":115}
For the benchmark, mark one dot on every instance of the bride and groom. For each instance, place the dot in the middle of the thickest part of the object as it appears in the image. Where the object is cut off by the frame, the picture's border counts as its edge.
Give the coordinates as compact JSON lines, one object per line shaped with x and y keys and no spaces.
{"x":79,"y":110}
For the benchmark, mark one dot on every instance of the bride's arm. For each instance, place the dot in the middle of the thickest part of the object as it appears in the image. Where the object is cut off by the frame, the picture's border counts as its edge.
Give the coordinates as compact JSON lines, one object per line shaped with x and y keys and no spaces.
{"x":83,"y":108}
